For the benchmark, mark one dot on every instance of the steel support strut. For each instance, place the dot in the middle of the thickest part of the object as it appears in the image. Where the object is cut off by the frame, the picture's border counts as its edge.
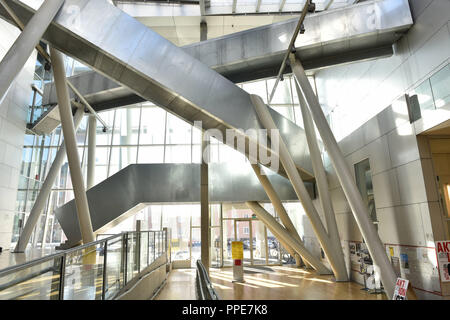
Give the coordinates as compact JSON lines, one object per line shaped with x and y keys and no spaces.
{"x":322,"y":186}
{"x":278,"y":206}
{"x":297,"y":182}
{"x":92,"y":145}
{"x":284,"y":236}
{"x":359,"y":209}
{"x":22,"y":48}
{"x":46,"y":188}
{"x":65,"y":111}
{"x":204,"y":203}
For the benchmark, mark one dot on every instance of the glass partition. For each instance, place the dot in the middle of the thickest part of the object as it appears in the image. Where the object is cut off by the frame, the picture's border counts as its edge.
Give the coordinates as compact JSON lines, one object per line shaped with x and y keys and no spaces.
{"x":40,"y":282}
{"x":96,"y":271}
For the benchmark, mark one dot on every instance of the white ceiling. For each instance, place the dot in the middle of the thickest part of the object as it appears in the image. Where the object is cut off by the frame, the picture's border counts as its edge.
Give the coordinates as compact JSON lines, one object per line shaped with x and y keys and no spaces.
{"x":186,"y":30}
{"x":180,"y":23}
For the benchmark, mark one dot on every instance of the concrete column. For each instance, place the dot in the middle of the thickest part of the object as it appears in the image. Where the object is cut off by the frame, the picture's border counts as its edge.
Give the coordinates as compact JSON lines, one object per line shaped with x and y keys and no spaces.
{"x":22,"y":48}
{"x":65,"y":111}
{"x":284,"y":237}
{"x":297,"y":183}
{"x":359,"y":209}
{"x":46,"y":188}
{"x":204,"y":203}
{"x":92,"y":145}
{"x":322,"y":186}
{"x":278,"y":206}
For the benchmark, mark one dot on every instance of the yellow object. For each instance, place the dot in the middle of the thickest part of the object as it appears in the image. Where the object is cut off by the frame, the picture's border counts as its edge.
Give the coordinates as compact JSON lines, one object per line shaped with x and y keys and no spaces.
{"x":391,"y":251}
{"x":237,"y":250}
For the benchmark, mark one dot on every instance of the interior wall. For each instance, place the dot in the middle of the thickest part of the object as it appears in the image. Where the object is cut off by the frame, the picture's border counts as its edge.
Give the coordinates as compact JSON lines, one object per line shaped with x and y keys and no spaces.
{"x":13,"y":117}
{"x":406,"y":195}
{"x":356,"y":92}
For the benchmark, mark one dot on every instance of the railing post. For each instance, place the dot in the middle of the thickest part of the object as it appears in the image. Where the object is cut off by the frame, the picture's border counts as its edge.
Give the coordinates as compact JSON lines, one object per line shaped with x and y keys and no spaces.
{"x":154,"y":246}
{"x":105,"y":274}
{"x":125,"y":236}
{"x":62,"y":277}
{"x":32,"y":106}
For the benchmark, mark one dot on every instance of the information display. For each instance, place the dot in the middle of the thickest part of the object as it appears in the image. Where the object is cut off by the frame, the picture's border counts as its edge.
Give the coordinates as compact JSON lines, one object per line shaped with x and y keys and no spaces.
{"x":401,"y":287}
{"x":443,"y":256}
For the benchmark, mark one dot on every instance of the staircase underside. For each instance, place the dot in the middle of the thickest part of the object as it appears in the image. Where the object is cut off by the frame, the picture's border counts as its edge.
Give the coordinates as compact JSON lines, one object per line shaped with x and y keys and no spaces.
{"x":129,"y":190}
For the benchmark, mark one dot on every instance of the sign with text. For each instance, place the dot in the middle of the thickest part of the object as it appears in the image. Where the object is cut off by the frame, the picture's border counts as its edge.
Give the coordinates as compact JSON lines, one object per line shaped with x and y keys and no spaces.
{"x":401,"y":286}
{"x":237,"y":250}
{"x":443,"y":256}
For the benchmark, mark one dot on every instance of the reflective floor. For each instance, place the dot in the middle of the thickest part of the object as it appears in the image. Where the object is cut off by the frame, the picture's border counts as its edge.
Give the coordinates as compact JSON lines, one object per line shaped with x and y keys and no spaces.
{"x":269,"y":283}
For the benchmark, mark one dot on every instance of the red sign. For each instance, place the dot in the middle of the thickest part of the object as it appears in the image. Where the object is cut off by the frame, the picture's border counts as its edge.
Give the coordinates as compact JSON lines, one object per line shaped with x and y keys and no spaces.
{"x":237,"y":262}
{"x":400,"y":289}
{"x":443,"y":256}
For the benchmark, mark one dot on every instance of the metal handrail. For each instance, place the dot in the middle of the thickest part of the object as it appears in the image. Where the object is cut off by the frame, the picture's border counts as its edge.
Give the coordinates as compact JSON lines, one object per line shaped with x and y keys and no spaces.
{"x":50,"y":257}
{"x":204,"y":287}
{"x":62,"y":257}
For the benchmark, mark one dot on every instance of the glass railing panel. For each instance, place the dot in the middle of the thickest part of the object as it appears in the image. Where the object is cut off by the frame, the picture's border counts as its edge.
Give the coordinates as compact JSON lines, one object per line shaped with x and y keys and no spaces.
{"x":151,"y":247}
{"x":114,"y":267}
{"x":132,"y":266}
{"x":83,"y":278}
{"x":39,"y":282}
{"x":424,"y":96}
{"x":144,"y":250}
{"x":440,"y":83}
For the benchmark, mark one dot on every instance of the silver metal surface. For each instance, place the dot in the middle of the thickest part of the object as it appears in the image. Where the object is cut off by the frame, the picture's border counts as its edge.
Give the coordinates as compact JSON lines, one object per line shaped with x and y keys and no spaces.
{"x":70,"y":141}
{"x":47,"y":122}
{"x":298,"y":185}
{"x":130,"y":189}
{"x":257,"y":53}
{"x":359,"y":209}
{"x":21,"y":50}
{"x":323,"y":189}
{"x":135,"y":56}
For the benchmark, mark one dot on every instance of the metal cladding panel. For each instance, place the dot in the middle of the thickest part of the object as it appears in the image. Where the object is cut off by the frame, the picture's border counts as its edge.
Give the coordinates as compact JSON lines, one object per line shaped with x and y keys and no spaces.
{"x":330,"y":36}
{"x":155,"y":69}
{"x":168,"y":183}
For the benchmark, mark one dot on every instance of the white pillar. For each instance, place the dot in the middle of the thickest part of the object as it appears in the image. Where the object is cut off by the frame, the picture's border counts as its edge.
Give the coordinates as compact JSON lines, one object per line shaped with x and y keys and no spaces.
{"x":359,"y":209}
{"x":297,"y":183}
{"x":65,"y":111}
{"x":46,"y":188}
{"x":22,"y":48}
{"x":283,"y":236}
{"x":91,"y":151}
{"x":322,"y":186}
{"x":204,"y":203}
{"x":278,"y":206}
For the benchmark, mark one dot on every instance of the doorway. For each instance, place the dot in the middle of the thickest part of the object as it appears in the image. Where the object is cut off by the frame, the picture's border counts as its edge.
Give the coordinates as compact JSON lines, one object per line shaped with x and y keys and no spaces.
{"x":260,"y":247}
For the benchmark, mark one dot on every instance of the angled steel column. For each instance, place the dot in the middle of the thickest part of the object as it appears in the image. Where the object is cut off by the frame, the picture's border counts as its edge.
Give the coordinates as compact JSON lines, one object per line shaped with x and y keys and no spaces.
{"x":278,"y":206}
{"x":322,"y":186}
{"x":45,"y":190}
{"x":204,"y":203}
{"x":65,"y":111}
{"x":92,"y":145}
{"x":22,"y":48}
{"x":284,"y":236}
{"x":359,"y":209}
{"x":297,"y":183}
